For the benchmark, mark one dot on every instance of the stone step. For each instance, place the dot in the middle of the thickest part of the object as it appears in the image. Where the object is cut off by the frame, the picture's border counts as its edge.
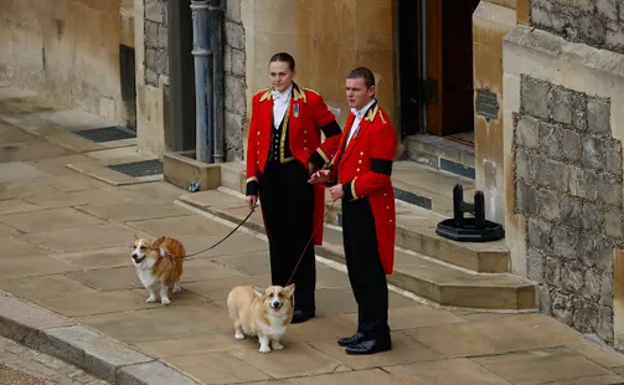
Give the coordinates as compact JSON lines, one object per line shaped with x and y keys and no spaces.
{"x":413,"y":183}
{"x":416,"y":232}
{"x":415,"y":225}
{"x":414,"y":272}
{"x":442,"y":154}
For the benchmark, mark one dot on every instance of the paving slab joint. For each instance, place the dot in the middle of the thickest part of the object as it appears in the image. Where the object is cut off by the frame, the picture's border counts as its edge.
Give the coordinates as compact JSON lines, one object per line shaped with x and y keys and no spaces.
{"x":79,"y":345}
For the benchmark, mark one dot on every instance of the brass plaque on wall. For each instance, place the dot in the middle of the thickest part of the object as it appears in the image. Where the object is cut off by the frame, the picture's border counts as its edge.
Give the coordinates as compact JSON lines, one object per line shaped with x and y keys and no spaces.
{"x":487,"y":104}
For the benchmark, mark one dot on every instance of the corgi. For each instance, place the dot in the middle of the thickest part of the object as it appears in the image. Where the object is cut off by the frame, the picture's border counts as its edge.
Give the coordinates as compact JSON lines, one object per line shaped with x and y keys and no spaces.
{"x":156,"y":268}
{"x":262,"y":313}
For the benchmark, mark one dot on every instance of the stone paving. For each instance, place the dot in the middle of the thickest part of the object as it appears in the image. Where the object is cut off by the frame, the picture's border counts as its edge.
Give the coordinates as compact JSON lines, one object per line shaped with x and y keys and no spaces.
{"x":66,"y":241}
{"x":23,"y":366}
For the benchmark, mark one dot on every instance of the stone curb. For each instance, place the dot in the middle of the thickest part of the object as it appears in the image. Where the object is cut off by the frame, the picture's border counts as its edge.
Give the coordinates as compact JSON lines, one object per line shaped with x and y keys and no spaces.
{"x":90,"y":350}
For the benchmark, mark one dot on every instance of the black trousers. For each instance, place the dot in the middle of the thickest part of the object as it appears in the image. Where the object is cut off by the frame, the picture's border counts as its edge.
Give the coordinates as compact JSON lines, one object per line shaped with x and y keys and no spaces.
{"x":367,"y":276}
{"x":287,"y":201}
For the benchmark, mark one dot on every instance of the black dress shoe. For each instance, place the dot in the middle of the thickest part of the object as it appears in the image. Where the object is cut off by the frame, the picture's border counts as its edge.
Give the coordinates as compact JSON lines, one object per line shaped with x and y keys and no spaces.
{"x":300,"y":316}
{"x":354,"y":339}
{"x":369,"y":347}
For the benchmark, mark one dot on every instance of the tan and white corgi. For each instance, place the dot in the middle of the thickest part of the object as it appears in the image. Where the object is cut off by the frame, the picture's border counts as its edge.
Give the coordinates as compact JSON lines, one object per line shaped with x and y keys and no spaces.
{"x":262,"y":313}
{"x":156,"y":268}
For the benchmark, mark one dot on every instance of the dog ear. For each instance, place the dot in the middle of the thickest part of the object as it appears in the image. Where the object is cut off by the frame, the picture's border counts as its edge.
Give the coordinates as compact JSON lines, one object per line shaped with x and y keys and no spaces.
{"x":290,"y":289}
{"x":158,"y":242}
{"x":135,"y":236}
{"x":258,"y":291}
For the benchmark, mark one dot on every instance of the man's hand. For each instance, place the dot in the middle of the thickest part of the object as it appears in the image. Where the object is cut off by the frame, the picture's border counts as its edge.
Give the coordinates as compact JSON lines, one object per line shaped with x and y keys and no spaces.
{"x":251,"y":201}
{"x":321,"y":176}
{"x":335,"y":192}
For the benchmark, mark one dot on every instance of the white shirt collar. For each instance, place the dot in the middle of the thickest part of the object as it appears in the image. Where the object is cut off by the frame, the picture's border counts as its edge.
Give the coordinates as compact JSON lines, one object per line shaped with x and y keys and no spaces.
{"x":282,"y":95}
{"x":359,"y":114}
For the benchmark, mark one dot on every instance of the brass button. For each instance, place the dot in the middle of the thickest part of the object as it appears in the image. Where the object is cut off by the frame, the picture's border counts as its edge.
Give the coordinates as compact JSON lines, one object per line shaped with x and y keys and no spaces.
{"x":305,"y":149}
{"x":305,"y":141}
{"x":358,"y":170}
{"x":258,"y":133}
{"x":305,"y":131}
{"x":362,"y":153}
{"x":390,"y":221}
{"x":360,"y":161}
{"x":387,"y":207}
{"x":385,"y":194}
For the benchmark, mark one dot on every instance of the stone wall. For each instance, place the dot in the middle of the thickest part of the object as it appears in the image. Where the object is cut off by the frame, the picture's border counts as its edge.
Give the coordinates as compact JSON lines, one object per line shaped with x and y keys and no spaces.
{"x":599,"y":23}
{"x":235,"y":81}
{"x":568,"y":178}
{"x":156,"y":54}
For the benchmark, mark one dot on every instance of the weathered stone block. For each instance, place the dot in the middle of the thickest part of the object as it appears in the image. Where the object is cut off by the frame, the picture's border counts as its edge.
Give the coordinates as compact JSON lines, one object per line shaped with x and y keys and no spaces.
{"x":151,"y":78}
{"x":155,"y":10}
{"x":604,"y":328}
{"x":238,"y":62}
{"x":615,"y":39}
{"x":599,"y":117}
{"x":562,"y":308}
{"x":593,"y":285}
{"x":572,"y":277}
{"x":151,"y":34}
{"x":571,"y":211}
{"x":614,"y":157}
{"x":552,"y":271}
{"x":592,"y":217}
{"x":592,"y":30}
{"x":526,"y":198}
{"x":549,"y":173}
{"x":582,"y":183}
{"x":584,"y":318}
{"x":157,"y":61}
{"x":235,"y":95}
{"x":613,"y":223}
{"x":523,"y":165}
{"x":603,"y":253}
{"x":586,"y":246}
{"x":609,"y":188}
{"x":540,"y":234}
{"x":163,"y":42}
{"x":545,"y":301}
{"x":234,"y":35}
{"x":564,"y":241}
{"x":535,"y":265}
{"x":234,"y":135}
{"x":548,"y":205}
{"x":550,"y":140}
{"x":527,"y":132}
{"x":594,"y":153}
{"x":562,"y":106}
{"x":608,"y":9}
{"x":571,"y":145}
{"x":535,"y":97}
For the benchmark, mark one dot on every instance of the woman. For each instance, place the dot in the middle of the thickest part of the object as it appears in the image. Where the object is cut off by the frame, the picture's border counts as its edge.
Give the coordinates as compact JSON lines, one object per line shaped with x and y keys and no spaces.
{"x":284,"y":149}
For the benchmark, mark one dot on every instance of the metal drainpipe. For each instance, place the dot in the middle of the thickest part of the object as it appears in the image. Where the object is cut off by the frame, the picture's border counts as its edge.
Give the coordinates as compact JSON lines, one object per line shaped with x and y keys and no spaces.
{"x":218,"y":91}
{"x":203,"y":81}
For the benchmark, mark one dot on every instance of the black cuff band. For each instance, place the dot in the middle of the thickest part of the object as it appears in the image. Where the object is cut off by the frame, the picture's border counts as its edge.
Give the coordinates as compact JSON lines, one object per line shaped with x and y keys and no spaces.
{"x":317,"y":160}
{"x":331,"y":129}
{"x":252,"y":188}
{"x":382,"y":166}
{"x":347,"y":191}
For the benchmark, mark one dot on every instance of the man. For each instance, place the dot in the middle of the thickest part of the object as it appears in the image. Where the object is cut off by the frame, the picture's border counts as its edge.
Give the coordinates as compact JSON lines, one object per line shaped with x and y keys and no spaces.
{"x":360,"y":174}
{"x":284,"y":148}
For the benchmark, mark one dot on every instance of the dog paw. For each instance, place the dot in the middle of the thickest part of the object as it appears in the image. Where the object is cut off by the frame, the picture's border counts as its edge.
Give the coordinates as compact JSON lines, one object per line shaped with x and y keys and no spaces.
{"x":177,"y":289}
{"x":277,"y":346}
{"x":151,"y":300}
{"x":265,"y":349}
{"x":239,"y":336}
{"x":165,"y":301}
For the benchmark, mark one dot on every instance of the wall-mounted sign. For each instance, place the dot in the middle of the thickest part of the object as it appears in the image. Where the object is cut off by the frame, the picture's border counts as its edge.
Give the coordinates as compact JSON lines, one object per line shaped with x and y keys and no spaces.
{"x":487,"y":104}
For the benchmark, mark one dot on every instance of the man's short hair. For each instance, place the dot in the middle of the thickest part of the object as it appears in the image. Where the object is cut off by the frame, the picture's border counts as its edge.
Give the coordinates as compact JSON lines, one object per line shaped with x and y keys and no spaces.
{"x":284,"y":57}
{"x":364,"y":73}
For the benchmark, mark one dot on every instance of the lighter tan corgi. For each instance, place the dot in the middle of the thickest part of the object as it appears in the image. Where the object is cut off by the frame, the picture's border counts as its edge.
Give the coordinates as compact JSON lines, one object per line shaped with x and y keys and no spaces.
{"x":156,"y":268}
{"x":262,"y":313}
